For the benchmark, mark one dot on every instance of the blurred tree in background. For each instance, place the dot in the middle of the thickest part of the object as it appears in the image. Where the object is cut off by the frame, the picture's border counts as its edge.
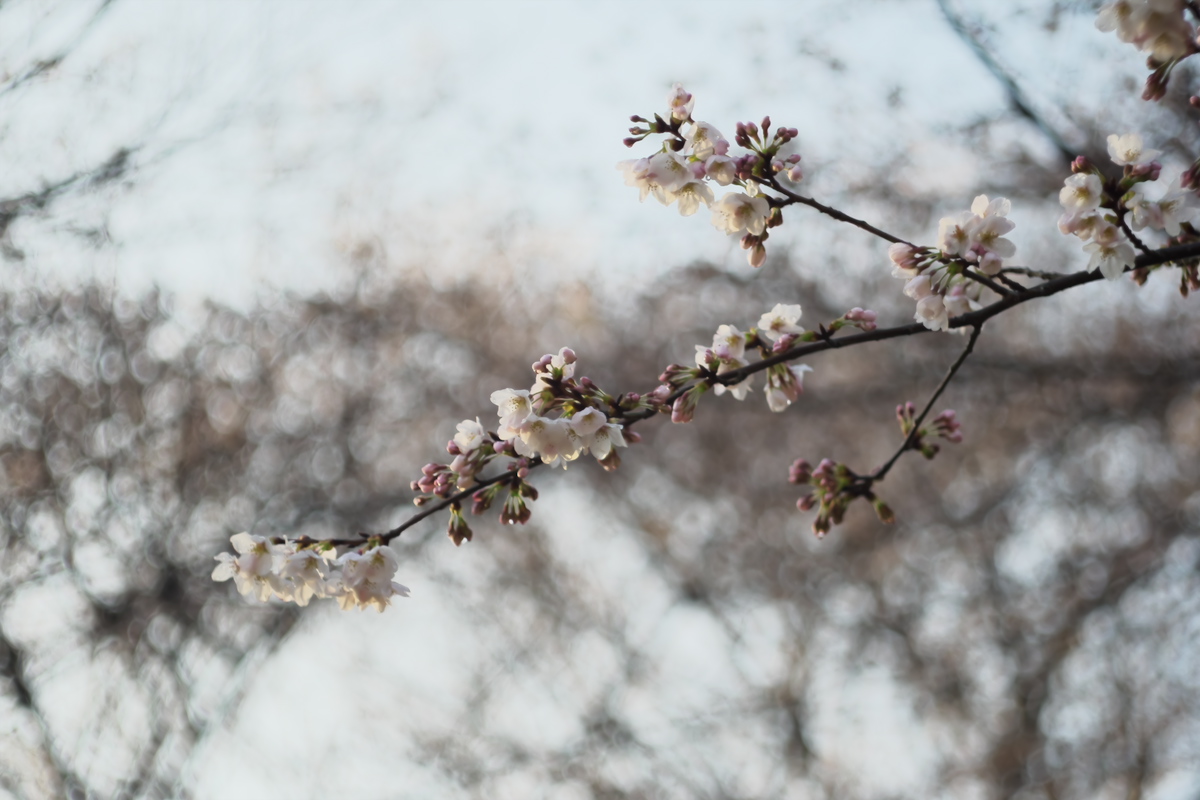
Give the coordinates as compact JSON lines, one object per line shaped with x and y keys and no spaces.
{"x":1027,"y":629}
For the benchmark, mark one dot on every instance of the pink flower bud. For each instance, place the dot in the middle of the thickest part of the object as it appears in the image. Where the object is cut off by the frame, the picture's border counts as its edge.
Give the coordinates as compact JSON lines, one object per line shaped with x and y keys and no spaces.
{"x":800,"y":471}
{"x":903,"y":255}
{"x":784,"y":342}
{"x":807,"y":502}
{"x":757,"y":256}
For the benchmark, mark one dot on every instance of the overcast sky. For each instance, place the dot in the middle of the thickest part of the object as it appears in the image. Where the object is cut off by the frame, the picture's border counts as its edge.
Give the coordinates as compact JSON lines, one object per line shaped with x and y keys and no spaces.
{"x":278,"y":135}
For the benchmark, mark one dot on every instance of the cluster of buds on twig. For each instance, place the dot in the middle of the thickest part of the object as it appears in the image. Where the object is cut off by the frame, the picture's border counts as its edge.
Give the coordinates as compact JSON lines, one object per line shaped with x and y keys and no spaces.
{"x":945,"y":425}
{"x":835,"y":487}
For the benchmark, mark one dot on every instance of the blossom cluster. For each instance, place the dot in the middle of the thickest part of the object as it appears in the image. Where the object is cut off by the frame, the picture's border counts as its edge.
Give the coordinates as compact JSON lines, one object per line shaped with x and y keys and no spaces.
{"x":935,"y":279}
{"x":697,"y":155}
{"x":1157,"y":27}
{"x":558,"y":419}
{"x":581,"y":426}
{"x":785,"y":383}
{"x":1094,"y":209}
{"x":294,"y":573}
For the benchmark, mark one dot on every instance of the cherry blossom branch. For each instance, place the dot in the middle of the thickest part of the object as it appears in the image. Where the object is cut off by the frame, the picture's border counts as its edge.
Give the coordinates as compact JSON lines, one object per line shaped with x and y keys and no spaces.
{"x":830,"y":211}
{"x":1059,"y":283}
{"x":915,"y":433}
{"x":975,"y":320}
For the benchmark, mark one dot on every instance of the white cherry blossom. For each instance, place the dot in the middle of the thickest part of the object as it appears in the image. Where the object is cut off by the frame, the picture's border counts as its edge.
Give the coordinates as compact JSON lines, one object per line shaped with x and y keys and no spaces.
{"x":1129,"y":150}
{"x":1111,"y":251}
{"x":1081,"y":192}
{"x":366,"y":579}
{"x":680,"y":101}
{"x":691,"y":194}
{"x":737,"y":212}
{"x":779,"y":321}
{"x":470,"y":435}
{"x":253,"y":569}
{"x":704,"y":140}
{"x":931,"y":312}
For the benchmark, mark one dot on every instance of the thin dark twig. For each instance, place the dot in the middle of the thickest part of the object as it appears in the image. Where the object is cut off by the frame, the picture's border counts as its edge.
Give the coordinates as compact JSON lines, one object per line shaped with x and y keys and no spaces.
{"x":1128,"y":232}
{"x":830,"y":211}
{"x":1009,"y":282}
{"x":909,"y":440}
{"x":1032,"y":273}
{"x":980,"y":278}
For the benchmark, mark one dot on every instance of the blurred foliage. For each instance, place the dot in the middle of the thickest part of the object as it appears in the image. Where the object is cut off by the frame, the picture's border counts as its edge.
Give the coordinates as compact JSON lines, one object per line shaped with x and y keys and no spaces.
{"x":1018,"y":613}
{"x":1027,"y":629}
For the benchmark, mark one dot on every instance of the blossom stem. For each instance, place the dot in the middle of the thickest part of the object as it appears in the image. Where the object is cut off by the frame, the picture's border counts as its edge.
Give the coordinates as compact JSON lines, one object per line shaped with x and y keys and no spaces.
{"x":1128,"y":232}
{"x":1030,"y":272}
{"x":909,"y":440}
{"x":830,"y":211}
{"x":979,"y":277}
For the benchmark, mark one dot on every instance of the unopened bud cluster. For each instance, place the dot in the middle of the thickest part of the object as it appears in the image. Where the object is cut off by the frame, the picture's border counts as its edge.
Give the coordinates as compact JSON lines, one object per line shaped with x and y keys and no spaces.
{"x":835,"y":487}
{"x":945,"y":425}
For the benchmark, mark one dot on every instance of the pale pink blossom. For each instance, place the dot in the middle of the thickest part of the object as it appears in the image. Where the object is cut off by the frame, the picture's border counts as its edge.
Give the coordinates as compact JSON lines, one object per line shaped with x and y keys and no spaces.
{"x":780,"y":320}
{"x":601,"y":442}
{"x":1082,"y":224}
{"x":366,"y":579}
{"x":253,"y":569}
{"x":704,"y":140}
{"x":691,"y":194}
{"x":470,"y":435}
{"x":738,"y":390}
{"x":1129,"y":150}
{"x":1081,"y":192}
{"x":514,"y":408}
{"x":307,"y":572}
{"x":1111,"y":251}
{"x":680,"y":101}
{"x":1154,"y":26}
{"x":721,"y":169}
{"x":729,"y":343}
{"x":1173,"y":207}
{"x":931,"y":312}
{"x":737,"y":212}
{"x":784,"y":386}
{"x":954,"y":233}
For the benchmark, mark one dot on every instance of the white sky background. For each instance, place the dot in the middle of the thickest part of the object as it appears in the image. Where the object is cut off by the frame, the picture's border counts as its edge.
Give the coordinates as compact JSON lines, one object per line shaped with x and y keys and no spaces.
{"x":438,"y":129}
{"x":444,"y":131}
